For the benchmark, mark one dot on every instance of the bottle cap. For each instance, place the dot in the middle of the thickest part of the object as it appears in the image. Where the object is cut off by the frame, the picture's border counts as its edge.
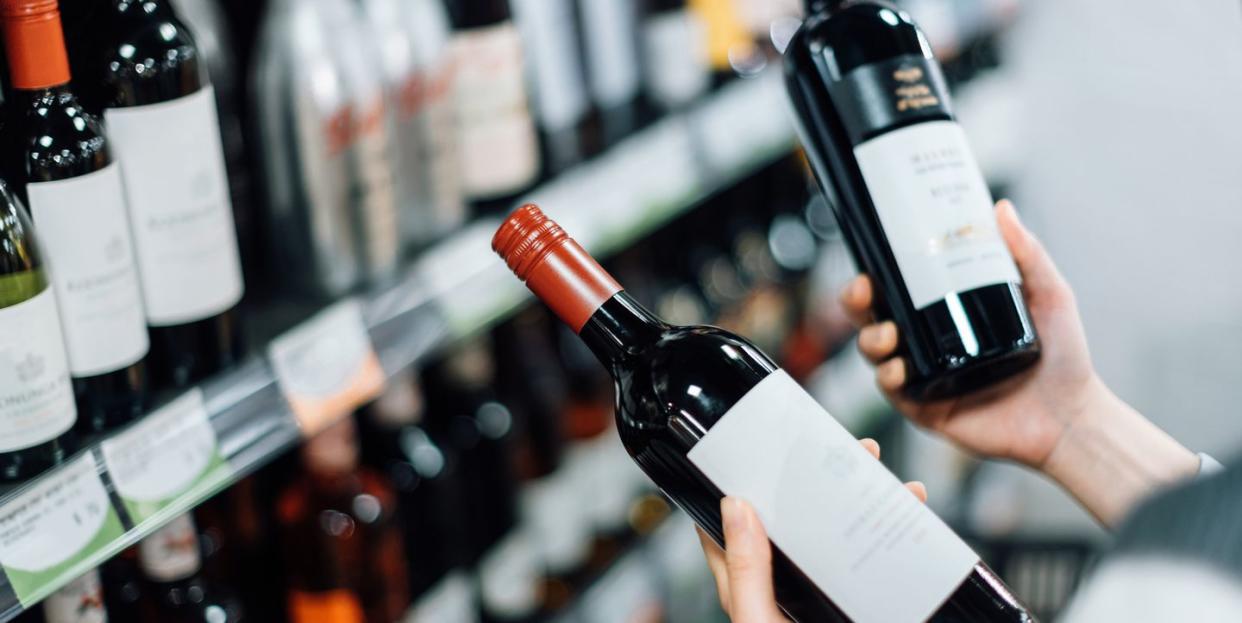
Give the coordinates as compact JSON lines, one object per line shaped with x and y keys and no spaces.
{"x":35,"y":43}
{"x":554,"y":267}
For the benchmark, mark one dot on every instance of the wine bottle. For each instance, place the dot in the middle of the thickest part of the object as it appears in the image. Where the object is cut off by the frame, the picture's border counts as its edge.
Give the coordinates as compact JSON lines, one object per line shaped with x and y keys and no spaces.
{"x":496,"y":133}
{"x":610,"y":37}
{"x":674,"y":54}
{"x":161,"y":117}
{"x":80,"y":601}
{"x":63,"y":165}
{"x":377,"y":233}
{"x":706,"y":414}
{"x":876,"y":121}
{"x":558,"y":81}
{"x":36,"y":396}
{"x":171,"y":560}
{"x":302,"y":109}
{"x":430,"y":100}
{"x":338,"y":520}
{"x":730,"y":49}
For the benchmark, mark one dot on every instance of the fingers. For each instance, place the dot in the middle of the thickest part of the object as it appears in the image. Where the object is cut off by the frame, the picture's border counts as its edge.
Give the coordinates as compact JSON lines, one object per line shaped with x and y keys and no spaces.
{"x":856,"y":298}
{"x":748,"y":559}
{"x":878,"y":342}
{"x":872,"y":446}
{"x":1040,"y":276}
{"x":716,"y":562}
{"x":891,"y":375}
{"x":918,"y":489}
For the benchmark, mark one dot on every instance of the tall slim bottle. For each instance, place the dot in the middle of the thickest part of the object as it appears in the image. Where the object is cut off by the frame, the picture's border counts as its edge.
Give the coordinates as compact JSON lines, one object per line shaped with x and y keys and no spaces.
{"x":62,"y":163}
{"x":610,"y":39}
{"x":161,"y":117}
{"x":496,"y":132}
{"x":706,"y":414}
{"x":36,"y":396}
{"x":879,"y":131}
{"x":301,"y":106}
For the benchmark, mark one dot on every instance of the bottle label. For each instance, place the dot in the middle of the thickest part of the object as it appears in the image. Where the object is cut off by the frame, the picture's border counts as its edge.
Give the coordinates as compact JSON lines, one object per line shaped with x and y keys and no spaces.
{"x":936,"y":211}
{"x":608,"y":27}
{"x":549,"y":31}
{"x":499,"y":151}
{"x":674,"y":50}
{"x":80,"y":601}
{"x":374,"y":190}
{"x":449,"y":601}
{"x":836,"y":512}
{"x":36,"y":397}
{"x":84,"y":227}
{"x":180,"y":212}
{"x":440,"y":154}
{"x":172,"y":552}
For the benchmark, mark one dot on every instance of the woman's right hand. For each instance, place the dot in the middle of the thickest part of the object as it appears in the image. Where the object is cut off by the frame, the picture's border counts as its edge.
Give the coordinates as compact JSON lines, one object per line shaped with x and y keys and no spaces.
{"x":1058,"y":416}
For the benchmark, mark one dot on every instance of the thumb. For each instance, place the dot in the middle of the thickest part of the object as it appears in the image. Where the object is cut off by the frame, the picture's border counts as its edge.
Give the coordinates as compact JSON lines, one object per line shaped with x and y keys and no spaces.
{"x":1041,"y":279}
{"x":748,"y":557}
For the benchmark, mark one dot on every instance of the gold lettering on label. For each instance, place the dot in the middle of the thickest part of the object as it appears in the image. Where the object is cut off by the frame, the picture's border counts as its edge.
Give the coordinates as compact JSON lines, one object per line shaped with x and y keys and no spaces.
{"x":908,"y":74}
{"x":913,"y":93}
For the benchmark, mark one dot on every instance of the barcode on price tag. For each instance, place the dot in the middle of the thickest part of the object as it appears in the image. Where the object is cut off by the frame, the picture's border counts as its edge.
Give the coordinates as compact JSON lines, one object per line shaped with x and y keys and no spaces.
{"x":49,"y":532}
{"x":327,"y":366}
{"x":171,"y":453}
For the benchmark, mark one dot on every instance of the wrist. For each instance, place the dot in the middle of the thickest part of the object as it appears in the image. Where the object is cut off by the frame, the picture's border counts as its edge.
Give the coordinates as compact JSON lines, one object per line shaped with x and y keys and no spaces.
{"x":1110,"y":457}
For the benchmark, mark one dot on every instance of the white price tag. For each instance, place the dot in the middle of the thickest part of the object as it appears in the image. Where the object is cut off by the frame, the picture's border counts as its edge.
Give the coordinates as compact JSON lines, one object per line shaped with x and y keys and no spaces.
{"x":48,"y":532}
{"x":327,"y":366}
{"x":171,"y":453}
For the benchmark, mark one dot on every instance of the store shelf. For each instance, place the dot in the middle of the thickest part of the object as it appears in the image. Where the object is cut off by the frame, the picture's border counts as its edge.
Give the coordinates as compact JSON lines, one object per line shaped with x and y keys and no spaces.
{"x":119,"y":489}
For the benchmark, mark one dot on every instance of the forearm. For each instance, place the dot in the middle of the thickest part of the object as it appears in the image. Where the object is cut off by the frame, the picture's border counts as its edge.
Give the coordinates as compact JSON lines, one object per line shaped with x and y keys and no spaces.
{"x":1111,"y":457}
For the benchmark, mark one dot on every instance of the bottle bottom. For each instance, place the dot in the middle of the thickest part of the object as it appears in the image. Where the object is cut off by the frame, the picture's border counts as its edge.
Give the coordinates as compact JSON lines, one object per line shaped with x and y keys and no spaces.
{"x":977,"y":374}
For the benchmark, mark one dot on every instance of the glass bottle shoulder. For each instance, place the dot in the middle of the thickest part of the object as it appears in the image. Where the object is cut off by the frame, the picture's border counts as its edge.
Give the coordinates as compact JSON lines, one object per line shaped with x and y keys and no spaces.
{"x":153,"y":56}
{"x":59,"y":138}
{"x":857,"y":34}
{"x":685,"y":381}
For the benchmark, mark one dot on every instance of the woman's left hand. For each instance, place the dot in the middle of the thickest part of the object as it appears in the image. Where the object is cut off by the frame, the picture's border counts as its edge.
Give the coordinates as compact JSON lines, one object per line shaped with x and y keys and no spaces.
{"x":743,"y":570}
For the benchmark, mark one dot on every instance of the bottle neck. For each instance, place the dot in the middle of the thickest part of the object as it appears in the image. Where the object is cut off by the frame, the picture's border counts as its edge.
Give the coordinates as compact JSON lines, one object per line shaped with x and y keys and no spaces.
{"x":821,"y":6}
{"x":619,"y":329}
{"x":36,"y":51}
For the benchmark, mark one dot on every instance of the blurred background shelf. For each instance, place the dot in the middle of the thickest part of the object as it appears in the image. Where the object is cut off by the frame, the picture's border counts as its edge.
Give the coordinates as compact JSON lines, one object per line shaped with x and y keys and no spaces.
{"x":454,"y":290}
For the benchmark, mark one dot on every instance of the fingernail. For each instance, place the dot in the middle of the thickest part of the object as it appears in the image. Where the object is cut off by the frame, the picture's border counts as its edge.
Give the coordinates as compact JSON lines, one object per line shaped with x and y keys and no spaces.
{"x":1013,"y":210}
{"x":734,"y":514}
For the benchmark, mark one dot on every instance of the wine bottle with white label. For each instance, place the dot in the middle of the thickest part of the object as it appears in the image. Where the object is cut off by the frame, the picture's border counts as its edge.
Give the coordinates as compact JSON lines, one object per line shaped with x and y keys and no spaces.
{"x":36,"y":397}
{"x":62,"y":163}
{"x":161,"y":117}
{"x":705,"y":414}
{"x":875,"y":117}
{"x":80,"y":601}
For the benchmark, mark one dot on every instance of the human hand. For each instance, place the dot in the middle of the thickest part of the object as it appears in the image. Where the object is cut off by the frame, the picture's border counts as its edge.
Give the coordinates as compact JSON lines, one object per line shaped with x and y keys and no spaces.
{"x":1024,"y":417}
{"x":743,"y":571}
{"x":1058,"y":416}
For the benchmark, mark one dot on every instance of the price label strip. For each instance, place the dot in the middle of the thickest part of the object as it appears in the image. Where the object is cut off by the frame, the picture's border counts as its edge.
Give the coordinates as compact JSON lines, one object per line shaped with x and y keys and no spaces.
{"x":327,"y":366}
{"x":171,"y":454}
{"x":50,"y":532}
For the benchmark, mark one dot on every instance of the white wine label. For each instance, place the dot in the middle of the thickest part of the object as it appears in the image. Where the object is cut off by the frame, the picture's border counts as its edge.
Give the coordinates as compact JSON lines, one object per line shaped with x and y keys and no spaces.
{"x":611,"y":49}
{"x":548,"y":30}
{"x":835,"y":511}
{"x":170,"y":453}
{"x":84,"y":226}
{"x":936,"y":211}
{"x":509,"y":577}
{"x":179,"y":207}
{"x":171,"y":553}
{"x":327,"y":367}
{"x":50,"y":531}
{"x":36,"y":397}
{"x":499,"y":150}
{"x":674,"y":50}
{"x":553,"y":509}
{"x":80,"y":601}
{"x":449,"y":601}
{"x":375,"y":192}
{"x":440,"y":154}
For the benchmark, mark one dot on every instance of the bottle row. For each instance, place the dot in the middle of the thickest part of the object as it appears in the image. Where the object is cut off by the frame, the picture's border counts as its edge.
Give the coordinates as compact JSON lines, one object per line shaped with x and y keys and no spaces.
{"x":491,"y":485}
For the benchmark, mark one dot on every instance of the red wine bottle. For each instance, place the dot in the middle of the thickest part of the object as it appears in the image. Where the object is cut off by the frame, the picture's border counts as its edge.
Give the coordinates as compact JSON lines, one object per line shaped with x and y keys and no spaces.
{"x":161,"y":117}
{"x":171,"y":560}
{"x":62,"y":163}
{"x":706,"y":414}
{"x":879,"y":130}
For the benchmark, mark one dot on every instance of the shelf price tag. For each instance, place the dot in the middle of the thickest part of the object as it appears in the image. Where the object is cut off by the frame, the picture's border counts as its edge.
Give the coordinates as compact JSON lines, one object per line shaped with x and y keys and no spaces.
{"x":172,"y":453}
{"x":327,"y":366}
{"x":49,"y":533}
